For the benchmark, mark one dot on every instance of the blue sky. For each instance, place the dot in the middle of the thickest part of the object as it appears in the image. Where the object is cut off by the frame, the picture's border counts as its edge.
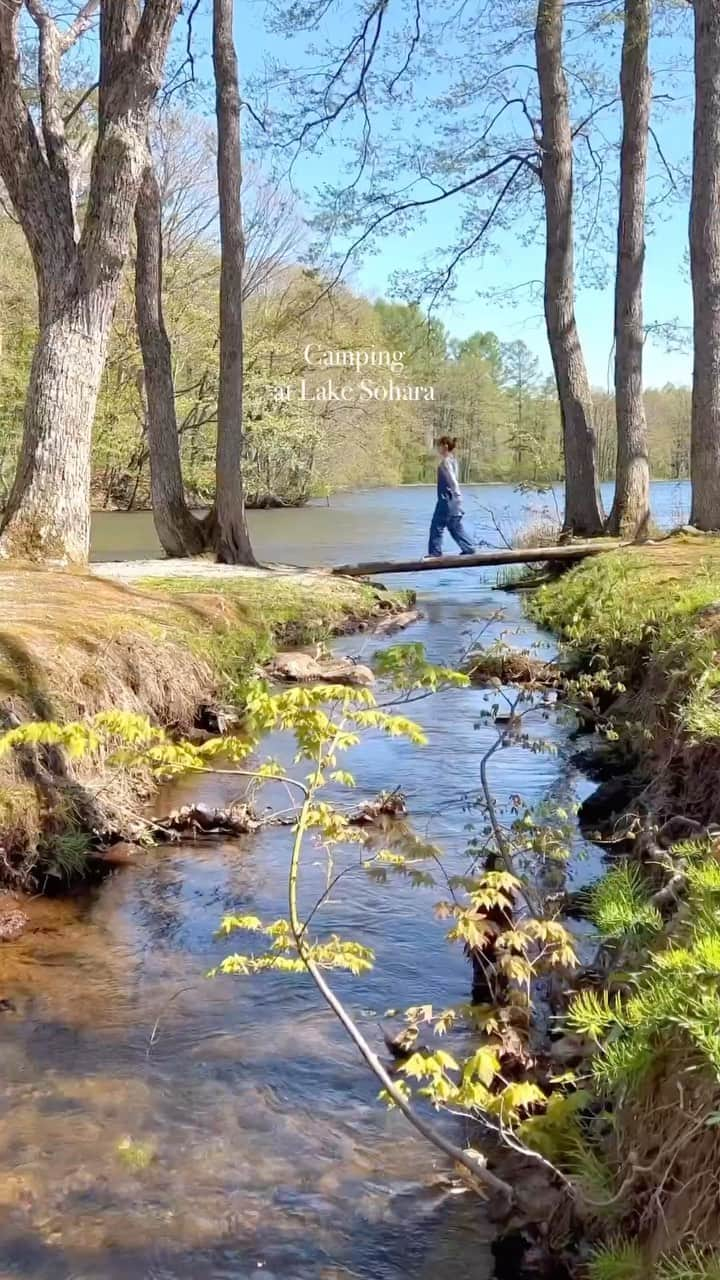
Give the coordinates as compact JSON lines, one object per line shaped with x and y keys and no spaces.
{"x":511,"y":260}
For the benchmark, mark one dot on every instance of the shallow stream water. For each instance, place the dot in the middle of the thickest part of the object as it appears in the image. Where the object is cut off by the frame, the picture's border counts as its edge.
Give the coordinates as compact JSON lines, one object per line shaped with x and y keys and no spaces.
{"x":160,"y":1124}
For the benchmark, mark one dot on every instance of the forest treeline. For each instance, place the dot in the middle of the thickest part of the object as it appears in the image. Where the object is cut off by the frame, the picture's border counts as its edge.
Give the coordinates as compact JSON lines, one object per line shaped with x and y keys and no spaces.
{"x":492,"y":395}
{"x":175,"y":299}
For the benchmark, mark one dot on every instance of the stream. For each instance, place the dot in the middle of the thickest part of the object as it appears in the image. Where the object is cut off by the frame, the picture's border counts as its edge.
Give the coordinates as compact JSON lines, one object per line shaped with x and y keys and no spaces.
{"x":160,"y":1124}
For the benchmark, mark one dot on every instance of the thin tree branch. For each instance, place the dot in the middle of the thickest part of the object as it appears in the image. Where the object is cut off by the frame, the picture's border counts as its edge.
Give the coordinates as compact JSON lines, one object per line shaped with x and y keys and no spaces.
{"x":603,"y":107}
{"x":468,"y":248}
{"x":415,"y":40}
{"x":445,"y":194}
{"x":80,"y":103}
{"x":359,"y":42}
{"x":473,"y":1164}
{"x":668,"y":170}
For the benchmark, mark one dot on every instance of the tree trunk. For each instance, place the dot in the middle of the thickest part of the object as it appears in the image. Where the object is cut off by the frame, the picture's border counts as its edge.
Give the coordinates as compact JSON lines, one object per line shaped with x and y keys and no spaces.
{"x":48,"y":512}
{"x":705,"y":268}
{"x":630,"y":515}
{"x":78,"y":271}
{"x":180,"y":533}
{"x":232,"y":540}
{"x":583,"y":507}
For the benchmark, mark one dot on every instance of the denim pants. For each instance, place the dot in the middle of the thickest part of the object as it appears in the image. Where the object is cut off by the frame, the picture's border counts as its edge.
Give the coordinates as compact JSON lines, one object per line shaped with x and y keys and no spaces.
{"x":448,"y":515}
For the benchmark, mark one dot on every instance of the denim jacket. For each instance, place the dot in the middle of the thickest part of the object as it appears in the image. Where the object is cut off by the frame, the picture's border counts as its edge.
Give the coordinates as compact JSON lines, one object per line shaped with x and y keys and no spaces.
{"x":448,"y":489}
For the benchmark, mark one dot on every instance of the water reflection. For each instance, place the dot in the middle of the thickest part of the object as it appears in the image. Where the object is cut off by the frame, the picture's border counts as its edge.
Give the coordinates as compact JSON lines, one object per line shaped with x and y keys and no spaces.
{"x":269,"y":1152}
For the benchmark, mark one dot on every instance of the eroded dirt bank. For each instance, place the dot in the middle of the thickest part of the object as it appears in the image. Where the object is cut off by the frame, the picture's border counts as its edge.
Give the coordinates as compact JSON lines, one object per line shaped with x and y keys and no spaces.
{"x":643,"y":630}
{"x":73,"y":645}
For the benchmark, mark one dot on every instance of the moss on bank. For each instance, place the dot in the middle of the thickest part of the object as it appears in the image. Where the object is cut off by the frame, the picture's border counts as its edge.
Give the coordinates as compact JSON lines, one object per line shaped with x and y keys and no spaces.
{"x":73,"y":644}
{"x":259,"y":615}
{"x":648,"y":619}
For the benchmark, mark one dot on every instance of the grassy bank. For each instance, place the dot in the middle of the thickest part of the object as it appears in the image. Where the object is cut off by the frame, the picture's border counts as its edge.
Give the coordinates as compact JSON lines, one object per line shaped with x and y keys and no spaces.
{"x":72,"y":645}
{"x":645,"y":624}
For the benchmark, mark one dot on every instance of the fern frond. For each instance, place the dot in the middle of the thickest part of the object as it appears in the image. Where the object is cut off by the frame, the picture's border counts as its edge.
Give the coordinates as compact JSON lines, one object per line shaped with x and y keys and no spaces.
{"x":592,"y":1014}
{"x":620,"y":906}
{"x":618,"y":1260}
{"x":589,"y":1170}
{"x":623,"y":1064}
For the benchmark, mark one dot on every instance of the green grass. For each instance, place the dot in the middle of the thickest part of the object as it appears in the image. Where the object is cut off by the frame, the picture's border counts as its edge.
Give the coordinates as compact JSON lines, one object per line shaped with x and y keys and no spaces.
{"x":645,"y":626}
{"x":646,"y":617}
{"x":65,"y":856}
{"x":255,"y":617}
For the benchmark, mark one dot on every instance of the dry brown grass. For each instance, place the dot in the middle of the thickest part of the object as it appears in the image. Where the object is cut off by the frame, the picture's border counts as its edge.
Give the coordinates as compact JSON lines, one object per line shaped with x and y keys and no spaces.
{"x":72,"y":644}
{"x":511,"y":667}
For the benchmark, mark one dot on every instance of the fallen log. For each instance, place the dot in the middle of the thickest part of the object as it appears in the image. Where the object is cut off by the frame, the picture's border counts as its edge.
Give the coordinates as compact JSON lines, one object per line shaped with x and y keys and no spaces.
{"x":503,"y":555}
{"x":301,"y":668}
{"x":389,"y":804}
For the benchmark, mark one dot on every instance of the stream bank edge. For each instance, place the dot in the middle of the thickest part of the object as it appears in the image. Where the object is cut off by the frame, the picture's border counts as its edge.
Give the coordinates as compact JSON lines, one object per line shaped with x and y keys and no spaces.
{"x":73,"y":644}
{"x":644,"y":627}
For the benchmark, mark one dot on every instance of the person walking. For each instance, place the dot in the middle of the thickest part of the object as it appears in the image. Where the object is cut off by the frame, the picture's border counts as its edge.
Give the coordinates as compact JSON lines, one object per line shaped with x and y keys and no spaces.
{"x":448,"y":511}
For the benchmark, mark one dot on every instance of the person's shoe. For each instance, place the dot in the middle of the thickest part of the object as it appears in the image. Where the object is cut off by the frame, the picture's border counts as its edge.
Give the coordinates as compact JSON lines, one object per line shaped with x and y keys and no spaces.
{"x":472,"y":552}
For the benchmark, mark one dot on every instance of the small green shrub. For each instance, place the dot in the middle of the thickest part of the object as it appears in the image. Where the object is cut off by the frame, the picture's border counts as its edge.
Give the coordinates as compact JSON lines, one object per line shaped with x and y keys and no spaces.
{"x":619,"y":904}
{"x":618,"y":1260}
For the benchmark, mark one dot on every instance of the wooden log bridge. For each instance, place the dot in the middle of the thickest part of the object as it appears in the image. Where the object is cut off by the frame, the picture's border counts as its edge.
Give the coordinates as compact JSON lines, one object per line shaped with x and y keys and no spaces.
{"x":509,"y":555}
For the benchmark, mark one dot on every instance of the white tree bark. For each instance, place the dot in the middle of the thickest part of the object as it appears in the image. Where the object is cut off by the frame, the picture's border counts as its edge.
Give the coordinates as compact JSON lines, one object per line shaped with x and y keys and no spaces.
{"x":48,"y":512}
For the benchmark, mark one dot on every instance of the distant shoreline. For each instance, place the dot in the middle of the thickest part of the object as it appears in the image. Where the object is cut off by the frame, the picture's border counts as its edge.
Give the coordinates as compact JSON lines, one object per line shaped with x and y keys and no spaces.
{"x":322,"y":500}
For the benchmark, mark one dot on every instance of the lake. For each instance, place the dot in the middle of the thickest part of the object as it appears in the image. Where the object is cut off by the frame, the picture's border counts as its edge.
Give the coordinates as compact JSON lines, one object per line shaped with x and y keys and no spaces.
{"x":373,"y":524}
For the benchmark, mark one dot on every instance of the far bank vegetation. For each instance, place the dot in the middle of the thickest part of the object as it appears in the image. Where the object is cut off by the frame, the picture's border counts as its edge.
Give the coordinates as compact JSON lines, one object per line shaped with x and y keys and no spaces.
{"x":491,"y":394}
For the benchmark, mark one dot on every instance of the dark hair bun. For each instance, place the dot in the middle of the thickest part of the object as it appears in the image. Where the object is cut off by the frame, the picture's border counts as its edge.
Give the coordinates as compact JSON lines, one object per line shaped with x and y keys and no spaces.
{"x":447,"y":442}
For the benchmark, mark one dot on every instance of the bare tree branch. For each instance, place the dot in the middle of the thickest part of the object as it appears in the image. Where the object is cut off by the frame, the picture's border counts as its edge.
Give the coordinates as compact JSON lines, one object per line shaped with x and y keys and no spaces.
{"x":84,"y":97}
{"x":414,"y":42}
{"x":81,"y":24}
{"x":445,"y":193}
{"x":661,"y":153}
{"x":472,"y":244}
{"x":354,"y":94}
{"x":23,"y":167}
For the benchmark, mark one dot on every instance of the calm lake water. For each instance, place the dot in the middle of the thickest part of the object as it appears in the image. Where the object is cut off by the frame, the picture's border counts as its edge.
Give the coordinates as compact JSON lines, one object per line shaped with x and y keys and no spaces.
{"x":373,"y":523}
{"x":266,"y":1151}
